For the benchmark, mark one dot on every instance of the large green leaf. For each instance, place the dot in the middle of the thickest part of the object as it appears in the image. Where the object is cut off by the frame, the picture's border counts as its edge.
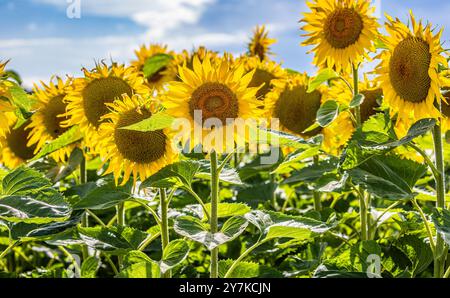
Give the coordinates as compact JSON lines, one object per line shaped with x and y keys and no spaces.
{"x":227,"y":175}
{"x":389,"y":177}
{"x":157,"y":121}
{"x":89,"y":267}
{"x":294,"y":159}
{"x":279,"y":225}
{"x":175,"y":175}
{"x":312,"y":172}
{"x":194,"y":229}
{"x":417,"y":251}
{"x":69,"y":137}
{"x":175,"y":253}
{"x":140,"y":270}
{"x":20,"y":98}
{"x":98,"y":196}
{"x":248,"y":270}
{"x":27,"y":196}
{"x":114,"y":240}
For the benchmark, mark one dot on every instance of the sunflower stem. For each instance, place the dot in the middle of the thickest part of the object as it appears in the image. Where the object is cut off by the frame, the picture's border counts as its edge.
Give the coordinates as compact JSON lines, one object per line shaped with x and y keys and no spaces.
{"x":362,"y":202}
{"x":214,"y":269}
{"x":120,"y":210}
{"x":316,"y":194}
{"x":440,"y":256}
{"x":85,"y":216}
{"x":164,"y":226}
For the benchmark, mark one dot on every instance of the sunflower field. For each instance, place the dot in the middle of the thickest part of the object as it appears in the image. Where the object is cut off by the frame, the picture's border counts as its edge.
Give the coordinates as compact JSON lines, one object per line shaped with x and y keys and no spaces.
{"x":146,"y":169}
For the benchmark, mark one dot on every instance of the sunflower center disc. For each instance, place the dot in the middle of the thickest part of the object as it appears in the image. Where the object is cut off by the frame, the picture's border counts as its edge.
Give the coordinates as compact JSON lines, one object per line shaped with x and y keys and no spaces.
{"x":261,"y":77}
{"x":409,"y":69}
{"x":297,"y":109}
{"x":370,"y":103}
{"x":99,"y":92}
{"x":215,"y":100}
{"x":343,"y":28}
{"x":137,"y":146}
{"x":52,"y":122}
{"x":17,"y":142}
{"x":446,"y":108}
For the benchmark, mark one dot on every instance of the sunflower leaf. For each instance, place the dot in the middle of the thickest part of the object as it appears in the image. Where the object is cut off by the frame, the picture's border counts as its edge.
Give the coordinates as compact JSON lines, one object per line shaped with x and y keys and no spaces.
{"x":71,"y":136}
{"x":323,"y":76}
{"x":357,"y":100}
{"x":155,"y":64}
{"x":157,"y":121}
{"x":327,"y":113}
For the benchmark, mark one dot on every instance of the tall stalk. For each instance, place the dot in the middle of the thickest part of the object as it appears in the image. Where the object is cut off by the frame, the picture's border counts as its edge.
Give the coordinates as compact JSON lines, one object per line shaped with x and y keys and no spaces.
{"x":440,"y":256}
{"x":84,"y":218}
{"x":164,"y":226}
{"x":214,"y":269}
{"x":316,"y":194}
{"x":362,"y":200}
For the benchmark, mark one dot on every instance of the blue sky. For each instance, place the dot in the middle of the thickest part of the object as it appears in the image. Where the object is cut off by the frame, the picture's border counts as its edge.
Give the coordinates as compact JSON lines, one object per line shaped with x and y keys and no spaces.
{"x":41,"y":40}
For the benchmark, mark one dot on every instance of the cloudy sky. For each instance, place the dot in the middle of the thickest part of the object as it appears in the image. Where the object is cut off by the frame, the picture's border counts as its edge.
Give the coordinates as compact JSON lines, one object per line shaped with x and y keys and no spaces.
{"x":41,"y":40}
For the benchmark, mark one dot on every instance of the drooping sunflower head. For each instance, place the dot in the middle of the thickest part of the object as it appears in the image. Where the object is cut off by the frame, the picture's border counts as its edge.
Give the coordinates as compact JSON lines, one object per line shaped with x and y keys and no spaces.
{"x":371,"y":90}
{"x":265,"y":72}
{"x":215,"y":89}
{"x":295,"y":108}
{"x":13,"y":146}
{"x":6,"y":108}
{"x":87,"y":100}
{"x":158,"y":79}
{"x":128,"y":152}
{"x":46,"y":123}
{"x":408,"y":71}
{"x":259,"y":45}
{"x":341,"y":31}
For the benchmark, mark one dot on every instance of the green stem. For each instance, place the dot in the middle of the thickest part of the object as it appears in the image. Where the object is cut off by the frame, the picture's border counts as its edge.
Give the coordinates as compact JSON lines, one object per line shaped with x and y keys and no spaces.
{"x":274,"y":193}
{"x":164,"y":226}
{"x":427,"y":226}
{"x":356,"y":92}
{"x":147,"y":241}
{"x":120,"y":210}
{"x":242,"y":256}
{"x":71,"y":258}
{"x":111,"y":264}
{"x":7,"y":250}
{"x":199,"y":200}
{"x":427,"y":159}
{"x":84,"y":218}
{"x":214,"y":269}
{"x":447,"y":273}
{"x":96,"y":218}
{"x":439,"y":260}
{"x":316,"y":194}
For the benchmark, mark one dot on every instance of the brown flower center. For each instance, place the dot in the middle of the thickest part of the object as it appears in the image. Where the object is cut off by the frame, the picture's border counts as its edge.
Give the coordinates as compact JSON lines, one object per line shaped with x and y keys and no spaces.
{"x":408,"y":69}
{"x":51,"y":112}
{"x":99,"y":92}
{"x":262,"y":77}
{"x":446,"y":107}
{"x":370,"y":103}
{"x":343,"y":28}
{"x":297,"y":109}
{"x":214,"y":100}
{"x":17,"y":142}
{"x":137,"y":146}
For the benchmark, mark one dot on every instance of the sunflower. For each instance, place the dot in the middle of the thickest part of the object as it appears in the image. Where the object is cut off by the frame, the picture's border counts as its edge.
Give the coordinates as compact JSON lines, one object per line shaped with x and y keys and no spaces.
{"x":46,"y":122}
{"x":445,"y":108}
{"x":265,"y":72}
{"x":87,"y":100}
{"x":342,"y":32}
{"x":13,"y":146}
{"x":296,"y":110}
{"x":370,"y":89}
{"x":409,"y":70}
{"x":217,"y":89}
{"x":259,"y":45}
{"x":140,"y":154}
{"x":6,"y":108}
{"x":188,"y":58}
{"x":162,"y":76}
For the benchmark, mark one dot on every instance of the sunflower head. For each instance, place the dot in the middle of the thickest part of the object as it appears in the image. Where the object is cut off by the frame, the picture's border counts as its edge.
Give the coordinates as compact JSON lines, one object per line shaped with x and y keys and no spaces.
{"x":13,"y":146}
{"x":216,"y":89}
{"x":260,"y":43}
{"x":341,"y":32}
{"x":265,"y":72}
{"x":47,"y":122}
{"x":295,"y":108}
{"x":87,"y":101}
{"x":7,"y":116}
{"x":408,"y":71}
{"x":129,"y":152}
{"x":164,"y":74}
